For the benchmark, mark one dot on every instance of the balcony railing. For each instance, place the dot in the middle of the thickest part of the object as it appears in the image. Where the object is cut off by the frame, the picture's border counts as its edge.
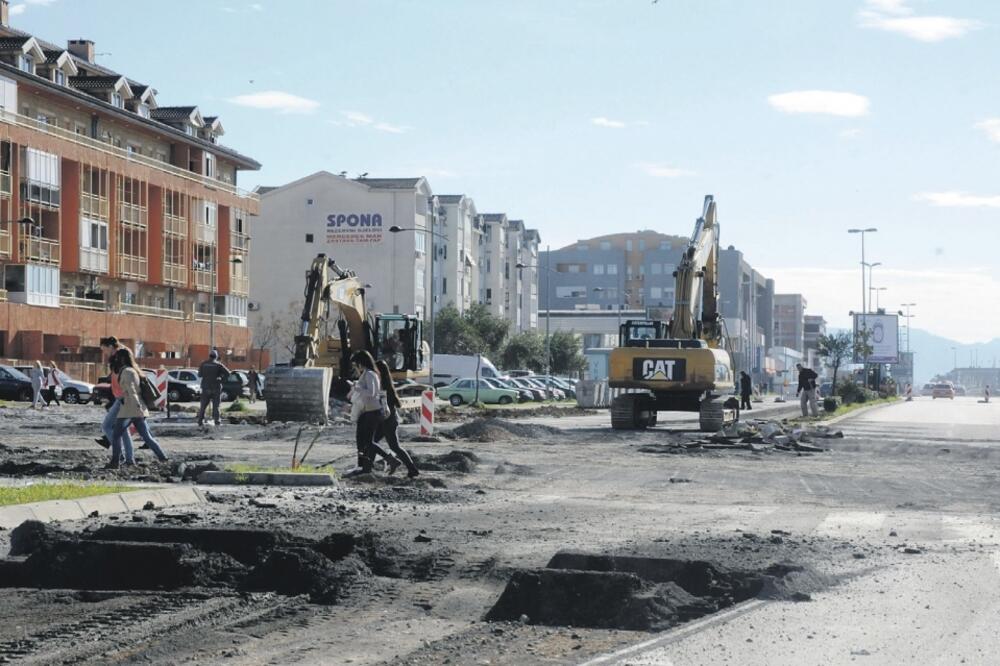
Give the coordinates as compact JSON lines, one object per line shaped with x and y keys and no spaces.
{"x":239,"y":241}
{"x":232,"y":320}
{"x":239,"y":285}
{"x":42,"y":250}
{"x":4,"y":243}
{"x":175,"y":225}
{"x":204,"y":233}
{"x":175,"y":274}
{"x":93,"y":260}
{"x":203,"y":280}
{"x":133,"y":266}
{"x":132,"y":215}
{"x":94,"y":207}
{"x":12,"y":118}
{"x":5,"y":183}
{"x":151,"y":311}
{"x":83,"y":303}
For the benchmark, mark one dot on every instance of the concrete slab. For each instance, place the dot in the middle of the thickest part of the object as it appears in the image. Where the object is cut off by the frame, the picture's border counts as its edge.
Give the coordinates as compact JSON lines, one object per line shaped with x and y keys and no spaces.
{"x":56,"y":510}
{"x":60,"y":510}
{"x":136,"y":500}
{"x":103,"y":504}
{"x":12,"y":516}
{"x":266,"y":479}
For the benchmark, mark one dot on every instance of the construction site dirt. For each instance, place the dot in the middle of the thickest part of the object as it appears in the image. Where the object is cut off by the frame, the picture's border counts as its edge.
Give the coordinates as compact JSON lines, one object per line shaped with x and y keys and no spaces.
{"x":543,"y":539}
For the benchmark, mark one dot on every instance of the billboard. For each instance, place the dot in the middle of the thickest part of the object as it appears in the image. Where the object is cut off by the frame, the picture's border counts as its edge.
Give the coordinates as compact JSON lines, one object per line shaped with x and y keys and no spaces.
{"x":883,"y":337}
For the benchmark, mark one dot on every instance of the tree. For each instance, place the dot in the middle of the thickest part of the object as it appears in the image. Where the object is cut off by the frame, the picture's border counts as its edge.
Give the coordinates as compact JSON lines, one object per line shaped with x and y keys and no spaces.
{"x":453,"y":334}
{"x":566,"y":351}
{"x":524,"y":350}
{"x":836,"y":349}
{"x":277,"y":332}
{"x":491,"y":330}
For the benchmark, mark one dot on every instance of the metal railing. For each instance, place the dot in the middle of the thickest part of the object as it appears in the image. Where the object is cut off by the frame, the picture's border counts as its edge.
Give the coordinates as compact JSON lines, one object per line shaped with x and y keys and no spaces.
{"x":5,"y":183}
{"x":42,"y":250}
{"x":203,"y":279}
{"x":232,"y":320}
{"x":100,"y":146}
{"x":151,"y":311}
{"x":239,"y":285}
{"x":173,"y":224}
{"x":93,"y":260}
{"x":133,"y":266}
{"x":5,"y":244}
{"x":204,"y":233}
{"x":132,"y":214}
{"x":94,"y":206}
{"x":238,"y":241}
{"x":175,"y":274}
{"x":83,"y":303}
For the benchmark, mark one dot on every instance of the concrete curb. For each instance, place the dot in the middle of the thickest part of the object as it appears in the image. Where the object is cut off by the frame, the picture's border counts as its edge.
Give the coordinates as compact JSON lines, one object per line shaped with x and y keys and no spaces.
{"x":265,"y":479}
{"x":55,"y":510}
{"x":859,"y":411}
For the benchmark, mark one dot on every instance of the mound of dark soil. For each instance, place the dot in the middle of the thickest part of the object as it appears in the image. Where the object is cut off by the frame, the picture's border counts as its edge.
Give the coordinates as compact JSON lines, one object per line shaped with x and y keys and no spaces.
{"x":490,"y":430}
{"x":305,"y":571}
{"x":453,"y":461}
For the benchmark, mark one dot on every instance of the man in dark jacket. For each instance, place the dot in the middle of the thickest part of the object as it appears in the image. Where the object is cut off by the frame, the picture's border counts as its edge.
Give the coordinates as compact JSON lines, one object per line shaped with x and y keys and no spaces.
{"x":746,"y":390}
{"x":213,"y":375}
{"x":807,"y":390}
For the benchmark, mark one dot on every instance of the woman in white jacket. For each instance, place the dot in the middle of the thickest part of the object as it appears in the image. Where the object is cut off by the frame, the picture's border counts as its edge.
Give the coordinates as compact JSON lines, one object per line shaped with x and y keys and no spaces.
{"x":133,"y":410}
{"x":367,"y":394}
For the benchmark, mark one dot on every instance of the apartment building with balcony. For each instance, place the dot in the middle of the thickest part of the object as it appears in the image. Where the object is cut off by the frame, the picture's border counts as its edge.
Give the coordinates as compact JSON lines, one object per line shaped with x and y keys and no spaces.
{"x":456,"y":273}
{"x":118,"y":215}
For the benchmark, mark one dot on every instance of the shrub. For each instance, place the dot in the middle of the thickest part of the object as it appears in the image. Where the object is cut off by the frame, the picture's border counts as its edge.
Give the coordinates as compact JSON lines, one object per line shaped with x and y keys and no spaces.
{"x":850,"y":392}
{"x":238,"y":406}
{"x":829,"y":405}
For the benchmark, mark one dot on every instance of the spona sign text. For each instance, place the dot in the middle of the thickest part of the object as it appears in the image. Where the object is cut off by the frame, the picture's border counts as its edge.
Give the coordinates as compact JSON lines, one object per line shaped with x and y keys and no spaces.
{"x":354,"y":220}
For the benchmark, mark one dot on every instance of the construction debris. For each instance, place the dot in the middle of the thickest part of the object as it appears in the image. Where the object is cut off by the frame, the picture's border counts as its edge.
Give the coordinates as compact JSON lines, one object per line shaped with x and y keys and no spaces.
{"x":757,"y":436}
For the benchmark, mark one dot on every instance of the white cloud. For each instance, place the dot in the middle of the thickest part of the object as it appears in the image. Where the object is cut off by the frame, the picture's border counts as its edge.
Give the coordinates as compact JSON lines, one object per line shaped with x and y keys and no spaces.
{"x":664,"y":171}
{"x":959,"y":199}
{"x":896,"y":16}
{"x":392,"y":129}
{"x":360,"y":119}
{"x":821,"y":101}
{"x":992,"y":128}
{"x":18,"y":9}
{"x":940,"y":293}
{"x":276,"y":100}
{"x":601,"y":121}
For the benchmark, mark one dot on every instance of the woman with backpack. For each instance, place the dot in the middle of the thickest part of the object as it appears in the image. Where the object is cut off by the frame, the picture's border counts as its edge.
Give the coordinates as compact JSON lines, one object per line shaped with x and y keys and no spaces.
{"x":366,"y":397}
{"x":133,"y":410}
{"x":390,"y":426}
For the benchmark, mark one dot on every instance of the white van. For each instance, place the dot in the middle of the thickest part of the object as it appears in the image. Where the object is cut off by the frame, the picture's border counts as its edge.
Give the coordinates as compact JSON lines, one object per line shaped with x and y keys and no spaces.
{"x":448,"y":367}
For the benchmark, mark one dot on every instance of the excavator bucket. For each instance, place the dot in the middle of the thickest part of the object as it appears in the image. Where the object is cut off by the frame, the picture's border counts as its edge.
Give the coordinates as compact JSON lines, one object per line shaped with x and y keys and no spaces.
{"x":298,"y":394}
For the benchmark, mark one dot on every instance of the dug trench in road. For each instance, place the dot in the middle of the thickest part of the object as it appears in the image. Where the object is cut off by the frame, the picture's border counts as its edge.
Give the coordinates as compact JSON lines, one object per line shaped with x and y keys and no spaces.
{"x":521,"y":500}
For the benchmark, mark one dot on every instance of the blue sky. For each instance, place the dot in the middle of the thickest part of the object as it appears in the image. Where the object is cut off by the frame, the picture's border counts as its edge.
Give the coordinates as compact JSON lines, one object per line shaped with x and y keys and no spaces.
{"x":586,"y":117}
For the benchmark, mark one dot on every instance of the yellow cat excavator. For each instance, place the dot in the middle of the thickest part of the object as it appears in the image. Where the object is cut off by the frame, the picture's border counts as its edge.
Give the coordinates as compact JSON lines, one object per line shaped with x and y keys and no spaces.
{"x":321,"y":365}
{"x":680,"y":365}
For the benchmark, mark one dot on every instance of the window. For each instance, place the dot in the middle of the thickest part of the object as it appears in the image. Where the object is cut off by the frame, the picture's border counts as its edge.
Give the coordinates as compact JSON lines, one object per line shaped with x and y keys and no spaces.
{"x":573,"y":268}
{"x":143,"y":110}
{"x":27,"y":63}
{"x":664,"y":245}
{"x":642,"y":270}
{"x":642,"y":245}
{"x":80,"y":130}
{"x":210,"y":165}
{"x":209,"y":214}
{"x":656,"y":269}
{"x":94,"y":234}
{"x":655,"y":292}
{"x":309,"y":238}
{"x":60,"y":77}
{"x":132,"y":150}
{"x":444,"y":285}
{"x":605,"y":245}
{"x":598,"y":269}
{"x":583,"y":247}
{"x":309,"y":202}
{"x":190,"y":129}
{"x":419,"y":277}
{"x":116,"y":100}
{"x":612,"y":269}
{"x":628,"y":245}
{"x":571,"y":292}
{"x":420,"y":242}
{"x":489,"y":295}
{"x":488,"y":266}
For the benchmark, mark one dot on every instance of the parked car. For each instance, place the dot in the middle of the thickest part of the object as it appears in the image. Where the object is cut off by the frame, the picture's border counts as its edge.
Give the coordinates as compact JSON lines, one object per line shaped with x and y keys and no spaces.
{"x":14,"y":384}
{"x":537,"y":394}
{"x":463,"y":391}
{"x":237,"y":385}
{"x":927,"y":390}
{"x":524,"y":395}
{"x":183,"y":385}
{"x":825,"y":389}
{"x":74,"y":391}
{"x":558,"y":383}
{"x":520,"y":373}
{"x":943,"y":390}
{"x":408,"y":388}
{"x":546,"y":389}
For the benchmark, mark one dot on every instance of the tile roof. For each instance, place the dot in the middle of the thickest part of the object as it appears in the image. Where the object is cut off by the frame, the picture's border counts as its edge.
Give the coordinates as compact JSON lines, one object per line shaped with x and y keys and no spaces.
{"x":94,"y":82}
{"x":264,"y":189}
{"x":10,"y":43}
{"x":53,"y":55}
{"x":450,"y":198}
{"x":390,"y":183}
{"x":172,"y":113}
{"x":494,"y":217}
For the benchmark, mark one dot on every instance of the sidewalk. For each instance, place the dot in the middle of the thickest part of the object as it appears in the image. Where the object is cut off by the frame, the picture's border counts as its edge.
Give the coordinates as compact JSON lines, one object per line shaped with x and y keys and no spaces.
{"x":55,"y":510}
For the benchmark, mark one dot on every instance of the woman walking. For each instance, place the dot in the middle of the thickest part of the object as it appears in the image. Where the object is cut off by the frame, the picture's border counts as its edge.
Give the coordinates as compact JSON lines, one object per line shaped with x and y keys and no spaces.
{"x":367,"y":393}
{"x":133,"y":411}
{"x":390,"y":426}
{"x":37,"y":383}
{"x":53,"y":385}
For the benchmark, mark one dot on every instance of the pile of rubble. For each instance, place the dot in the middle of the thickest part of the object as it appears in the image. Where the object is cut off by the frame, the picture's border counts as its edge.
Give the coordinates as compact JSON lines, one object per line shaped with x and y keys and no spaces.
{"x":758,"y":436}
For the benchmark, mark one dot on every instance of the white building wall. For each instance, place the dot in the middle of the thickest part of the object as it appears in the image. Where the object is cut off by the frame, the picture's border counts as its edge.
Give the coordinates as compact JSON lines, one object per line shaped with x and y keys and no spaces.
{"x":390,"y":263}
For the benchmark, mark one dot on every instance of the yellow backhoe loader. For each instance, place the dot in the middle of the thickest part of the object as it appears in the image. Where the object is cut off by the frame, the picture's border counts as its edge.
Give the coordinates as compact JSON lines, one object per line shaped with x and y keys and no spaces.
{"x":321,"y":365}
{"x":680,"y":365}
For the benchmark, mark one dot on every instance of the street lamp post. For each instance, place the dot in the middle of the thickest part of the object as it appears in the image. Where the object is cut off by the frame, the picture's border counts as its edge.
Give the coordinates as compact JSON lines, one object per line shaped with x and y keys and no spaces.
{"x":877,"y":300}
{"x":864,"y":292}
{"x":907,"y":316}
{"x":871,"y":281}
{"x":548,"y":314}
{"x":211,"y":305}
{"x":395,"y":230}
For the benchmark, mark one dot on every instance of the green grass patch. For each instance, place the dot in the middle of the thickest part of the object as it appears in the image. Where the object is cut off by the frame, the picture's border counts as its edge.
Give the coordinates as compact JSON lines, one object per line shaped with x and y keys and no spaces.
{"x":844,"y":409}
{"x":245,"y":468}
{"x":238,"y":406}
{"x":42,"y":492}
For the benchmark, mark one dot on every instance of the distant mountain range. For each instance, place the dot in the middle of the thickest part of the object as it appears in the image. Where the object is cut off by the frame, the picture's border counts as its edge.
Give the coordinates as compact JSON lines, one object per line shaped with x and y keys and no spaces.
{"x":933,"y":355}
